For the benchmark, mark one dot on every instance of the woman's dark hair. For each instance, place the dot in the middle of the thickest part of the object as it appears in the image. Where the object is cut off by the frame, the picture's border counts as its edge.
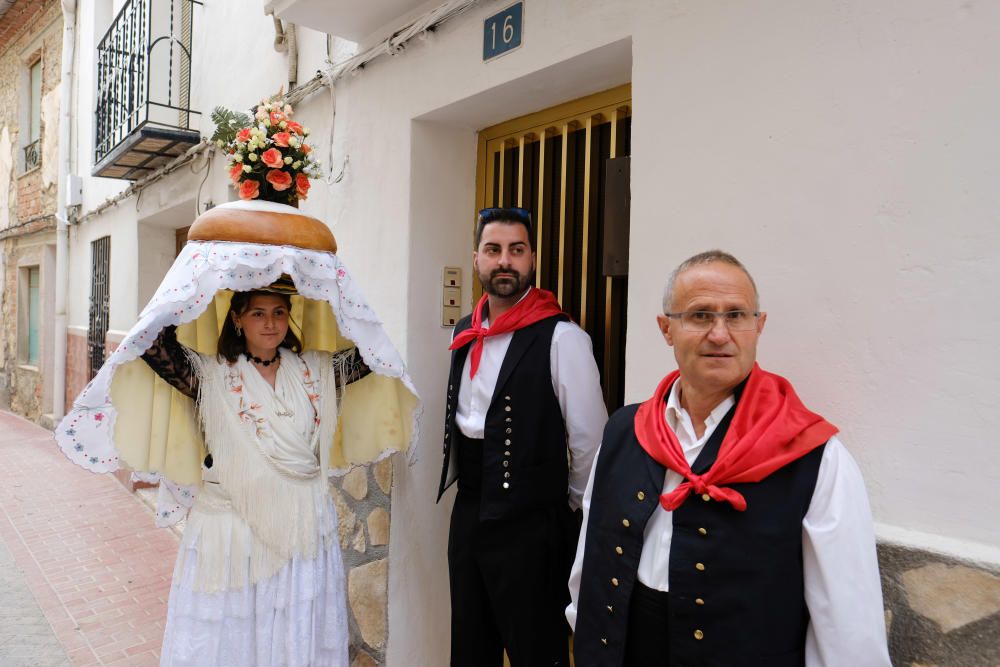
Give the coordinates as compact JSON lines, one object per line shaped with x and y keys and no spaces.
{"x":232,"y":346}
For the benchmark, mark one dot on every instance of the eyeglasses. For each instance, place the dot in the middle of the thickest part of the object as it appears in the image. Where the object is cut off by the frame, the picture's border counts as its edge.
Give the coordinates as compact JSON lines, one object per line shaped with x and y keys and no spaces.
{"x":704,"y":320}
{"x":512,"y":213}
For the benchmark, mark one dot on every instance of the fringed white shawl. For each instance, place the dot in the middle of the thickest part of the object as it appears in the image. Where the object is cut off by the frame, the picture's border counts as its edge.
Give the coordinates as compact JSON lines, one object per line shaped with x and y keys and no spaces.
{"x":264,"y":499}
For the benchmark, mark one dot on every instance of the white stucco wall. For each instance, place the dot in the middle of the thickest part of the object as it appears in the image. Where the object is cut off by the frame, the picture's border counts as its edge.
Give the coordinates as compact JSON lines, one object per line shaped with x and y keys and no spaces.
{"x":841,"y":150}
{"x":222,"y":75}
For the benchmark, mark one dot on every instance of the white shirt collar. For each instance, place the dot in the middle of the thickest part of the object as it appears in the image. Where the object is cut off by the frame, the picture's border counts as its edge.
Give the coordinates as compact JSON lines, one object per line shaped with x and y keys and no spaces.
{"x":675,"y":412}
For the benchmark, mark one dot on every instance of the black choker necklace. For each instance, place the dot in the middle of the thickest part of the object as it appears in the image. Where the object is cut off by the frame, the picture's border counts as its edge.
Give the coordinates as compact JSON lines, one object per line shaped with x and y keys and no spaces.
{"x":264,"y":362}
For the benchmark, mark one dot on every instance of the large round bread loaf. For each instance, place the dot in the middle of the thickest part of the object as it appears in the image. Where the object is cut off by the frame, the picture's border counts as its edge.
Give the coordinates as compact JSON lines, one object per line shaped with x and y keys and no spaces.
{"x":267,"y":227}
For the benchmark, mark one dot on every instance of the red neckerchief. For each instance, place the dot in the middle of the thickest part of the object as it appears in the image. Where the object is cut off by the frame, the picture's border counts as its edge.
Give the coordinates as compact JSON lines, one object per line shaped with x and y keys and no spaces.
{"x":536,"y":305}
{"x":771,"y":428}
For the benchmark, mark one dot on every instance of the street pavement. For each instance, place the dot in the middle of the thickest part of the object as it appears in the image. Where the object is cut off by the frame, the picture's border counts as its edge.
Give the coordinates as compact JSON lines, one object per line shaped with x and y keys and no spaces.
{"x":84,"y":574}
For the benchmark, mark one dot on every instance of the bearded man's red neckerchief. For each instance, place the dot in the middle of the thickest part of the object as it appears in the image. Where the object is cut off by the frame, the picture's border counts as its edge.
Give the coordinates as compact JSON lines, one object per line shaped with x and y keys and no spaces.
{"x":770,"y":429}
{"x":536,"y":305}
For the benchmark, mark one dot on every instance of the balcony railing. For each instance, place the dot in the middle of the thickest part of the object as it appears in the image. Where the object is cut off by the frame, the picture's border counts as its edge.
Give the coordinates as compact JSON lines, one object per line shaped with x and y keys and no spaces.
{"x":32,"y":155}
{"x":143,"y":116}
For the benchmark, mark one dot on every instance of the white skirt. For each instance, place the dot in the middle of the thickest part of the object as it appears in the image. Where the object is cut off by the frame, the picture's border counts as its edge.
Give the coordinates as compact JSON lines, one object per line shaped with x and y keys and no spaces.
{"x":295,"y":618}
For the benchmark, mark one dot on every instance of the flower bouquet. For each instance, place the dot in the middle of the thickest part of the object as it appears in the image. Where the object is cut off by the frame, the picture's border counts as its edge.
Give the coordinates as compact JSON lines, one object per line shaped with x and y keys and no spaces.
{"x":268,"y":157}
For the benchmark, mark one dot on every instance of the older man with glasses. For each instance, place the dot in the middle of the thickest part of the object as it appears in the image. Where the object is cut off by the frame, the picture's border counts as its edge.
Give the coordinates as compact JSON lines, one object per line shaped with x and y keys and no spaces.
{"x":724,"y":523}
{"x":524,"y":419}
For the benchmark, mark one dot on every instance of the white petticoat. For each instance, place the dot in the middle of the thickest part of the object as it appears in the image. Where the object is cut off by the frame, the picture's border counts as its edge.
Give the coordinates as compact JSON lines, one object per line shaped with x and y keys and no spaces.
{"x":296,"y":618}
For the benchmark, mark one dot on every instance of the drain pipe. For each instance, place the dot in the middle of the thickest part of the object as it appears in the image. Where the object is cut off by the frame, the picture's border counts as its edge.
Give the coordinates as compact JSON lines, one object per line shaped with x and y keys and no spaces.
{"x":62,"y":224}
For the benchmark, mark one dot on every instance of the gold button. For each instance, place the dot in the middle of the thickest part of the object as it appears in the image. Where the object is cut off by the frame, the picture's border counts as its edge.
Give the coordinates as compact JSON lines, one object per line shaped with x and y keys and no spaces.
{"x":508,"y":421}
{"x":614,"y":581}
{"x":698,"y":634}
{"x":619,"y":551}
{"x":625,"y":522}
{"x":506,"y":475}
{"x":506,"y":453}
{"x":508,"y":429}
{"x":611,"y":609}
{"x":506,"y":398}
{"x":704,"y":496}
{"x":700,"y":567}
{"x":507,"y":409}
{"x":506,"y":463}
{"x":640,"y":495}
{"x":699,"y":601}
{"x":702,"y":531}
{"x":604,"y":640}
{"x":507,"y":441}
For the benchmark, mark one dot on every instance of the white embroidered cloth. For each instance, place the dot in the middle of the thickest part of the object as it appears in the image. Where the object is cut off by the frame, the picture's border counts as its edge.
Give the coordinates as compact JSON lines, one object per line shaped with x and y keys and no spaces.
{"x":203,"y":268}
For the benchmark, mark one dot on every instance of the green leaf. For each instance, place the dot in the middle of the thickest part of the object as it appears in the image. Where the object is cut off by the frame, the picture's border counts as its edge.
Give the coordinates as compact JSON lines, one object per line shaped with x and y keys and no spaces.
{"x":228,"y":123}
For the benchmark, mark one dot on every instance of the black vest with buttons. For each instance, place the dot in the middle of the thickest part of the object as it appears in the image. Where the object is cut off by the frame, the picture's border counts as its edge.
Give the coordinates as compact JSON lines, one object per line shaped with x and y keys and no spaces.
{"x":524,"y":445}
{"x":736,"y":588}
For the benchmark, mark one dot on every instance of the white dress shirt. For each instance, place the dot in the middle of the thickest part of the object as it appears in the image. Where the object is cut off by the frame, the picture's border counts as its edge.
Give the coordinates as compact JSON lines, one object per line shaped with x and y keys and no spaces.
{"x":575,"y":381}
{"x":840,"y":570}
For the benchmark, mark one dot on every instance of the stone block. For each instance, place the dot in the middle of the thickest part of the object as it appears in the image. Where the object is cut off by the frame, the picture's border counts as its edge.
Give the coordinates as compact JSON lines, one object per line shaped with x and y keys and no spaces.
{"x":356,"y":483}
{"x":378,"y":527}
{"x":347,"y":521}
{"x":367,"y":592}
{"x":952,"y":595}
{"x":362,"y":659}
{"x":383,"y":474}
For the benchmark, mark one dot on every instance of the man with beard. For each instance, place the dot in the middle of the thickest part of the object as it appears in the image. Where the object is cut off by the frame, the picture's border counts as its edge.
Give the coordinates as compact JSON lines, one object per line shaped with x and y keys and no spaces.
{"x":523,"y":389}
{"x":724,"y":523}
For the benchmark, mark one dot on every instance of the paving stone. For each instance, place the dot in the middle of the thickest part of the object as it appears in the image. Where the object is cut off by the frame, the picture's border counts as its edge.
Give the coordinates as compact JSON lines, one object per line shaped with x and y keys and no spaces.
{"x":952,"y":595}
{"x":91,"y":557}
{"x":26,"y":638}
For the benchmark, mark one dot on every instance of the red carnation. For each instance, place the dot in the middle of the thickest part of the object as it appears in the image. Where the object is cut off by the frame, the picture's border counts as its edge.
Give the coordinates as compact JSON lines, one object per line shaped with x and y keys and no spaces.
{"x":279,"y":179}
{"x":243,"y":135}
{"x":281,"y":138}
{"x":249,"y":189}
{"x":301,"y":185}
{"x":236,"y":171}
{"x":272,"y":158}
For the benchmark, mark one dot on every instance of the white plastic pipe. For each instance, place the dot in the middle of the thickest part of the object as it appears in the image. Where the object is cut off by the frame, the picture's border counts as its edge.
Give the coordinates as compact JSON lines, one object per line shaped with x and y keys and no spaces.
{"x":62,"y":231}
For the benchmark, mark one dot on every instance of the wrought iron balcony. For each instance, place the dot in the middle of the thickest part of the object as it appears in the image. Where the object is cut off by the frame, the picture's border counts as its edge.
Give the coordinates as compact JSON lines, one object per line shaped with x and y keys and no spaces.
{"x":32,"y":155}
{"x":143,"y":116}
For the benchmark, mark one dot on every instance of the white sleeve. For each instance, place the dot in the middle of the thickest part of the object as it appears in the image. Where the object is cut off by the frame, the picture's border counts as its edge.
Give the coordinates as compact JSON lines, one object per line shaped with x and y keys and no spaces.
{"x":577,"y":385}
{"x":840,"y":569}
{"x":577,"y":569}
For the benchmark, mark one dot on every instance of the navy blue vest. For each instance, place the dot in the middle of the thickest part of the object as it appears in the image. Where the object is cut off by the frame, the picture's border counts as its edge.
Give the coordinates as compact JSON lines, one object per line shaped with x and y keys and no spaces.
{"x":524,"y":449}
{"x":736,"y":590}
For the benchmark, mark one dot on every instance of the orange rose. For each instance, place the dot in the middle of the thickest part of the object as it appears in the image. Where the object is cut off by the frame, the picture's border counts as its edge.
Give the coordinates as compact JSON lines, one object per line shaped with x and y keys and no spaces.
{"x":306,"y":148}
{"x":243,"y":135}
{"x":294,"y":127}
{"x":279,"y":179}
{"x":249,"y":189}
{"x":272,"y":158}
{"x":236,"y":171}
{"x":301,"y":185}
{"x":281,"y":138}
{"x":277,"y":117}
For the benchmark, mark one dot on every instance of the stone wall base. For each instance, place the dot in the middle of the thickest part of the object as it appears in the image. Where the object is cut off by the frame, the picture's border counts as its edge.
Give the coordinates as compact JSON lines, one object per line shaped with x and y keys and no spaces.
{"x":939,"y":611}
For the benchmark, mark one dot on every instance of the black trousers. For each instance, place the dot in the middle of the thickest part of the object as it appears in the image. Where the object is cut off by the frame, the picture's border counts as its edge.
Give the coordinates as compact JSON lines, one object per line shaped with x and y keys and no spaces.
{"x":508,"y":586}
{"x":647,"y":643}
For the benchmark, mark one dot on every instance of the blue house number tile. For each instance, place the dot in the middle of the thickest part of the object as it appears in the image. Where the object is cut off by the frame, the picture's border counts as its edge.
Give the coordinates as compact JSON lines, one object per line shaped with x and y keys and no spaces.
{"x":502,"y":31}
